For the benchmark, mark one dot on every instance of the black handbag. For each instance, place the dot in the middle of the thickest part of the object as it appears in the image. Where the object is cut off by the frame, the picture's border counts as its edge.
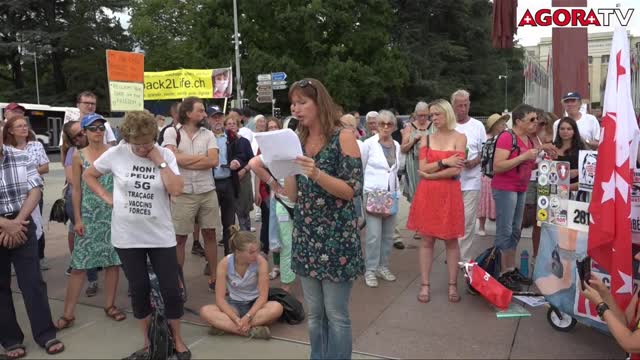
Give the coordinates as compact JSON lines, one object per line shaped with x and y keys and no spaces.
{"x":58,"y":213}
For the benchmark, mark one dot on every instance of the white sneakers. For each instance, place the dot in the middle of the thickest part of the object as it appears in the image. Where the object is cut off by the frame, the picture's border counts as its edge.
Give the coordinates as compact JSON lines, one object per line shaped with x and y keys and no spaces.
{"x":383,"y":272}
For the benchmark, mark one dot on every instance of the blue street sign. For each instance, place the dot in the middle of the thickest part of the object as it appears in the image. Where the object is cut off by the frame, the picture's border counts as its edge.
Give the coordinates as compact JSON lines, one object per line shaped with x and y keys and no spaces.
{"x":278,"y":76}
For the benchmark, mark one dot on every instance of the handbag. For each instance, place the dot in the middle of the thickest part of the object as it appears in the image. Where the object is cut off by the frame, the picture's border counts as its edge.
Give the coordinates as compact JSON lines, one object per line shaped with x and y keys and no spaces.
{"x":382,"y":202}
{"x":58,"y":213}
{"x":487,"y":286}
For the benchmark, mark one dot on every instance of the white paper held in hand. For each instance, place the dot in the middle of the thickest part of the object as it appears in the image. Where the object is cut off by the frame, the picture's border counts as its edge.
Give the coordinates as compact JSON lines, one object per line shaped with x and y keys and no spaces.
{"x":279,"y":149}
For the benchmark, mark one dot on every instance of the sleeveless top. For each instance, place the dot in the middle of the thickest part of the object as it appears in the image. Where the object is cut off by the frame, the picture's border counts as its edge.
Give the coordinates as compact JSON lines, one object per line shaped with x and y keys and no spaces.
{"x":242,"y":288}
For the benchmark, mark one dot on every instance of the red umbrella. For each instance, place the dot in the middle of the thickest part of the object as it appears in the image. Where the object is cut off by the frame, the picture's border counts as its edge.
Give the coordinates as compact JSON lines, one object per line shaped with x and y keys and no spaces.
{"x":504,"y":23}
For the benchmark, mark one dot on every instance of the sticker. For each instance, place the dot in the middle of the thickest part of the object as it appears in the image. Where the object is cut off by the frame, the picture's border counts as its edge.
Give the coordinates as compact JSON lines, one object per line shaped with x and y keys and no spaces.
{"x":543,"y":191}
{"x":553,"y":178}
{"x":563,"y":171}
{"x":283,"y":217}
{"x":561,"y":218}
{"x":542,"y":215}
{"x":563,"y":191}
{"x":543,"y":179}
{"x":554,"y":202}
{"x":553,"y":189}
{"x":544,"y":167}
{"x":543,"y":202}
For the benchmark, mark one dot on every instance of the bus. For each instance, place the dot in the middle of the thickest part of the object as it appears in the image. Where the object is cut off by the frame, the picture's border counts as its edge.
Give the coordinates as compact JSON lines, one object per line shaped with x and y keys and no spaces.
{"x":46,"y":121}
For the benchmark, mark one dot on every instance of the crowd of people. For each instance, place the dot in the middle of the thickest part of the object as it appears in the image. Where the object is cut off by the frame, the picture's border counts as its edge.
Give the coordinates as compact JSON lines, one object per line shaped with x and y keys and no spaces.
{"x":138,"y":200}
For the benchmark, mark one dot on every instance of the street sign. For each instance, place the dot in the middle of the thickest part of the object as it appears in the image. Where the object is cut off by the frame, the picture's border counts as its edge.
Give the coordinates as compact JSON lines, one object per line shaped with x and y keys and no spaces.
{"x":279,"y":83}
{"x":264,"y":98}
{"x":264,"y":82}
{"x":264,"y":77}
{"x":278,"y":76}
{"x":261,"y":88}
{"x":279,"y":87}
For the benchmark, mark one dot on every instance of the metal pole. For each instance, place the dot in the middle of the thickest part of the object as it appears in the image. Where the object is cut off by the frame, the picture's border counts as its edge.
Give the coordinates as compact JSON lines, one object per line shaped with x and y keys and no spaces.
{"x":35,"y":64}
{"x":237,"y":46}
{"x":273,"y":107}
{"x":506,"y":93}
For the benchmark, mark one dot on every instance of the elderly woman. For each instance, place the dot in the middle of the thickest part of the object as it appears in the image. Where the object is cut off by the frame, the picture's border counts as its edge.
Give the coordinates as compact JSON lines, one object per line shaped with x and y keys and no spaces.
{"x":239,"y":155}
{"x":380,"y":155}
{"x":144,"y":174}
{"x":371,"y":124}
{"x":326,"y":246}
{"x":437,"y":210}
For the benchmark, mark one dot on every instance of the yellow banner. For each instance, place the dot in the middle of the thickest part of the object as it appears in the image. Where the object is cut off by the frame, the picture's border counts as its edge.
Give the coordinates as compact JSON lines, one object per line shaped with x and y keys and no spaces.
{"x":178,"y":84}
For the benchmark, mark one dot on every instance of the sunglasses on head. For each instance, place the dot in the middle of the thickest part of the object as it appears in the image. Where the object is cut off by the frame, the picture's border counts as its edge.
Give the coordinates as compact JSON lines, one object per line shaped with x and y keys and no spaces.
{"x":304,"y":83}
{"x":94,"y":128}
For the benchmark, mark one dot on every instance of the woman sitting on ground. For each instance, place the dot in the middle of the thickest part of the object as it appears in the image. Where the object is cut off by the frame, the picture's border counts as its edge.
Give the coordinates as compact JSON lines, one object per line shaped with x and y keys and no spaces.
{"x":245,"y":274}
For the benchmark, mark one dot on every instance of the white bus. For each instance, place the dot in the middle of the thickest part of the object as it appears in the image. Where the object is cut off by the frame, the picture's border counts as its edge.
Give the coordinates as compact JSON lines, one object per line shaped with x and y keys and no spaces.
{"x":46,"y":121}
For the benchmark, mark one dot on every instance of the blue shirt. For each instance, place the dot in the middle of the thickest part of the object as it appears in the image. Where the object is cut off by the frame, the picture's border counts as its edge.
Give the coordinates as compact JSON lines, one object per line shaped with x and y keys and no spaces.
{"x":222,"y":171}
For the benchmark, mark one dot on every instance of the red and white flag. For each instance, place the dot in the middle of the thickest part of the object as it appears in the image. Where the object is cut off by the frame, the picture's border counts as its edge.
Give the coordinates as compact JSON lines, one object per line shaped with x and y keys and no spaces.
{"x":610,"y":208}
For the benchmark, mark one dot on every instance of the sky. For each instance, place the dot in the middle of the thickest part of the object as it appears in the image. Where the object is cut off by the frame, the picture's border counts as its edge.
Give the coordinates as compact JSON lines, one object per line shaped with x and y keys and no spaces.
{"x":531,"y":36}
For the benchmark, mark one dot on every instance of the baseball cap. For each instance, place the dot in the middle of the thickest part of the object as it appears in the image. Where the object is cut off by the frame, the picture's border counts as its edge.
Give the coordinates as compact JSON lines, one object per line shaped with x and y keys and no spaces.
{"x":14,"y":106}
{"x":571,"y":96}
{"x":213,"y":110}
{"x":90,"y":119}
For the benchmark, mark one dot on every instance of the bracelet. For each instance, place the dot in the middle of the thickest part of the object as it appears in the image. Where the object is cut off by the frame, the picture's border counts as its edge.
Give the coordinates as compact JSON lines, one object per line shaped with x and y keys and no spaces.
{"x":441,"y":165}
{"x":270,"y":181}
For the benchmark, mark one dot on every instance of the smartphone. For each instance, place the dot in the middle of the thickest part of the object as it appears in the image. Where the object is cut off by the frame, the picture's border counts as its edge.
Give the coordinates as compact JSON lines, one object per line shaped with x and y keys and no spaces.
{"x":584,"y":270}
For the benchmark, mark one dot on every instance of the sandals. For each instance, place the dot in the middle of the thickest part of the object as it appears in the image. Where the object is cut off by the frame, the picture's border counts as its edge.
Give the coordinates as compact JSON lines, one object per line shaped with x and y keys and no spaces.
{"x":66,"y":322}
{"x":14,"y":348}
{"x":51,"y":344}
{"x":454,"y":297}
{"x":114,"y":313}
{"x":424,"y":297}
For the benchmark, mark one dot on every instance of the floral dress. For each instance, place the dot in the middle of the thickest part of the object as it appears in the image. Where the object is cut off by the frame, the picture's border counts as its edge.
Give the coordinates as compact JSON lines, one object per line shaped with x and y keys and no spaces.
{"x":326,"y":242}
{"x":94,"y":249}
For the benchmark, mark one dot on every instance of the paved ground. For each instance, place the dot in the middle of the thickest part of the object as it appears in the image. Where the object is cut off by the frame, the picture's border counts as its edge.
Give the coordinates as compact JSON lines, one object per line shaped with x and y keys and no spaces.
{"x":388,"y":321}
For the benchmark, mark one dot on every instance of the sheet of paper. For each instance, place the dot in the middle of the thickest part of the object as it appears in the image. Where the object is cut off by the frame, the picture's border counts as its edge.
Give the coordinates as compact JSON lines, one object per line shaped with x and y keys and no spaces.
{"x":514,"y":311}
{"x":533,"y":301}
{"x":279,"y":149}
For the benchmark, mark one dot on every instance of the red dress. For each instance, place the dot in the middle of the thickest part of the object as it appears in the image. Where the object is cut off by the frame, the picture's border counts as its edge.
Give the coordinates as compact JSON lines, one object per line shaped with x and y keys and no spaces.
{"x":437,"y":209}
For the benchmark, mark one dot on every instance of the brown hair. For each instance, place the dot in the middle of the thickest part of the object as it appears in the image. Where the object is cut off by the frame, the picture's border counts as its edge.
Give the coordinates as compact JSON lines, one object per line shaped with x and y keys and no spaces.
{"x":85,"y":94}
{"x":275,"y":120}
{"x":327,"y":113}
{"x":231,"y":117}
{"x":66,"y":139}
{"x":8,"y":138}
{"x":137,"y":124}
{"x":240,"y":240}
{"x":186,"y":106}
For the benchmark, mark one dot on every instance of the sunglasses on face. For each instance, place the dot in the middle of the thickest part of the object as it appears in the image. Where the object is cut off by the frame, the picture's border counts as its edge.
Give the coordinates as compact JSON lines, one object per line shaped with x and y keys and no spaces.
{"x":384,"y":124}
{"x":533,"y":119}
{"x":94,"y":128}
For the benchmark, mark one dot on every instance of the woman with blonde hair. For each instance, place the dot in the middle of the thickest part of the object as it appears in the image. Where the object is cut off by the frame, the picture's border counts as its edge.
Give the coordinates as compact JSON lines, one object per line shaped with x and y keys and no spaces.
{"x":326,"y":252}
{"x":437,"y":210}
{"x":246,"y":311}
{"x":144,"y":174}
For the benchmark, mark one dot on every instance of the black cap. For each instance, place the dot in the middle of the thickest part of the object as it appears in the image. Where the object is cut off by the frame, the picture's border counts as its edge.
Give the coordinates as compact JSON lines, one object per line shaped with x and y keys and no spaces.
{"x":574,"y":95}
{"x":213,"y":110}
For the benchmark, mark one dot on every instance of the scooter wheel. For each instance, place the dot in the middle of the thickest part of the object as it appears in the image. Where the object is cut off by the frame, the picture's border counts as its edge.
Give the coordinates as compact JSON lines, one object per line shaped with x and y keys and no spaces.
{"x":560,"y":321}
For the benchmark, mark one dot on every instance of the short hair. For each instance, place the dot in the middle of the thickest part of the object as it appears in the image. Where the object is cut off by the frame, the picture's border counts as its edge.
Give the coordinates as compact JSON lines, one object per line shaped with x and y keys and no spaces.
{"x":520,"y":111}
{"x":236,"y":110}
{"x":421,"y":105}
{"x":389,"y":116}
{"x":174,"y":107}
{"x":348,"y":118}
{"x":371,"y":114}
{"x":246,"y":112}
{"x":85,"y":94}
{"x":444,"y":106}
{"x":240,"y":240}
{"x":230,"y":117}
{"x":187,"y":106}
{"x":460,"y":93}
{"x":137,"y":124}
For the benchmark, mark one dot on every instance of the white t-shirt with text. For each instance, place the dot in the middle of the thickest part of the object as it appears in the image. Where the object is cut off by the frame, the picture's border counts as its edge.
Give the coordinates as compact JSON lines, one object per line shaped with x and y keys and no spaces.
{"x":141,"y":215}
{"x":470,"y":179}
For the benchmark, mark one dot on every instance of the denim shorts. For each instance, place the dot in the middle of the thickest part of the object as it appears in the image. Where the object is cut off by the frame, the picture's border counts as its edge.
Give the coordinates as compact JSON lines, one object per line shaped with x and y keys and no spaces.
{"x":241,"y":307}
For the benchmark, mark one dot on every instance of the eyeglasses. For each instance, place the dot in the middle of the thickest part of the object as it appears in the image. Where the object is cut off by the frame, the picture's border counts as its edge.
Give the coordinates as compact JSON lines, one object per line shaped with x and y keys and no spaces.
{"x":535,"y":118}
{"x":21,"y":126}
{"x":148,"y":146}
{"x":94,"y":128}
{"x":88,"y":103}
{"x":385,"y":124}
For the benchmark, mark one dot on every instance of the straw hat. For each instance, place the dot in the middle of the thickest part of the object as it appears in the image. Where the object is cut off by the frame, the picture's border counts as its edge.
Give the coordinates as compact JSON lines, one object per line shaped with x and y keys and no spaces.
{"x":495,"y":118}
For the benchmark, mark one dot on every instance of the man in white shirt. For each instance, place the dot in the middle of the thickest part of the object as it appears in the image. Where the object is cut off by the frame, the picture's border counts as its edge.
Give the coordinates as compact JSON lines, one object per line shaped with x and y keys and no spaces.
{"x":86,"y":102}
{"x":471,"y":175}
{"x":588,"y":125}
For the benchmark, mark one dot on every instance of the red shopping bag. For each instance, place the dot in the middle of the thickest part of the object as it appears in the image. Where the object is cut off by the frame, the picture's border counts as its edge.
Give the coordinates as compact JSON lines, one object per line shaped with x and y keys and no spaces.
{"x":489,"y":288}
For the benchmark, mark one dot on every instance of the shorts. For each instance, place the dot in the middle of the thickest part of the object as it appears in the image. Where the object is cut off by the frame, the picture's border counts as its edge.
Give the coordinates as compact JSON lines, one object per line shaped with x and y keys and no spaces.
{"x":241,"y":307}
{"x":187,"y":209}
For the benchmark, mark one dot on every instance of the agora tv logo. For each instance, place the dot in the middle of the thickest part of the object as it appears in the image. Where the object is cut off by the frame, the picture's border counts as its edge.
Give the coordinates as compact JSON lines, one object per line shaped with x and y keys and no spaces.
{"x":574,"y":17}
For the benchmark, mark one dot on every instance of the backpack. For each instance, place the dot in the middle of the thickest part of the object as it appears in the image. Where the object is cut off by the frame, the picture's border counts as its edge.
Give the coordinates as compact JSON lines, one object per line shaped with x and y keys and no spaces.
{"x":293,"y":311}
{"x":489,"y":152}
{"x":160,"y":336}
{"x":174,"y":127}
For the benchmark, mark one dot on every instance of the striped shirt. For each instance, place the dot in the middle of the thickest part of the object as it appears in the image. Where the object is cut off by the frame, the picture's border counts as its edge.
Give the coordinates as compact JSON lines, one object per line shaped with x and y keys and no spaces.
{"x":18,"y":176}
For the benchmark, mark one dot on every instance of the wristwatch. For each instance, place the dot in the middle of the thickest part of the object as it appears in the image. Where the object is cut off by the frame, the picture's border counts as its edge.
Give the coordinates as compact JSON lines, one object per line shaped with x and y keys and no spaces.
{"x":249,"y":316}
{"x":162,"y":165}
{"x":601,"y":308}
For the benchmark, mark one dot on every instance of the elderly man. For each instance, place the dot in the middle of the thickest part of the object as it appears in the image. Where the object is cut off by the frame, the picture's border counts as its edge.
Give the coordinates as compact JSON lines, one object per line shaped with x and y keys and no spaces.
{"x":371,"y":124}
{"x":588,"y":125}
{"x":470,"y":178}
{"x":20,"y":191}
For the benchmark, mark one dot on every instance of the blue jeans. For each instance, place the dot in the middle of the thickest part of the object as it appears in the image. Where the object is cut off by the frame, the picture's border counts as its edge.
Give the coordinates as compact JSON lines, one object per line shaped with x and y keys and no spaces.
{"x":328,"y":313}
{"x":379,"y":239}
{"x":509,"y":212}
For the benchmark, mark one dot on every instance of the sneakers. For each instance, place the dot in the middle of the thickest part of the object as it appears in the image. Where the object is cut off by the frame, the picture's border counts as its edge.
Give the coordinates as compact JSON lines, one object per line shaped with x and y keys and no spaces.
{"x":92,"y":289}
{"x":197,"y":249}
{"x":385,"y":274}
{"x":482,"y":233}
{"x":507,"y":280}
{"x":517,"y":277}
{"x":370,"y":279}
{"x":260,"y":332}
{"x":398,"y":244}
{"x":44,"y":264}
{"x":252,"y":229}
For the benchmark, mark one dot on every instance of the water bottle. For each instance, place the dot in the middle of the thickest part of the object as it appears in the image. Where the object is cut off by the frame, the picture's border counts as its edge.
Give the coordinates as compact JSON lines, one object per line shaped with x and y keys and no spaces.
{"x":524,"y":263}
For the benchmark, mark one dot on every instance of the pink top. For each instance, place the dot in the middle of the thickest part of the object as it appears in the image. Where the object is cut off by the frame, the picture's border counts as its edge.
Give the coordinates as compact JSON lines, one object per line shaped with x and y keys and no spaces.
{"x":516,"y":179}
